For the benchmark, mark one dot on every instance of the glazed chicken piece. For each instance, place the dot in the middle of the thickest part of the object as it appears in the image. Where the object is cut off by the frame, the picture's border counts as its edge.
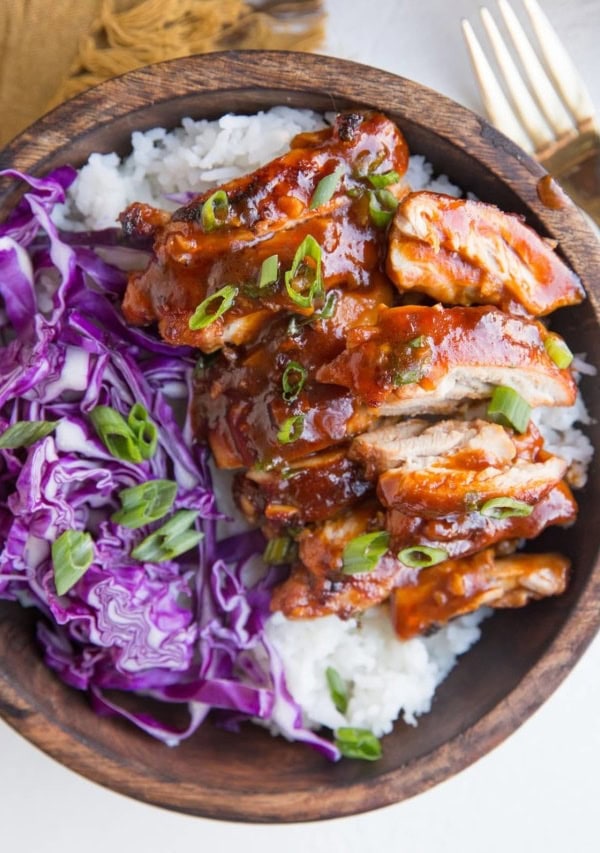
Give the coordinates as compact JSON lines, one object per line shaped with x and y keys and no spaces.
{"x":317,"y":586}
{"x":419,"y":359}
{"x":456,"y":466}
{"x":462,"y":535}
{"x":304,"y":492}
{"x":461,"y":586}
{"x":239,"y":403}
{"x":466,"y":252}
{"x":267,"y":215}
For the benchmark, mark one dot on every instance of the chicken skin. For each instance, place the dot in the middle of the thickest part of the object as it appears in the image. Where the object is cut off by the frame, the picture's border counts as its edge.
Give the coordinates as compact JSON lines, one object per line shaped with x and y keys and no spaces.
{"x":463,"y":252}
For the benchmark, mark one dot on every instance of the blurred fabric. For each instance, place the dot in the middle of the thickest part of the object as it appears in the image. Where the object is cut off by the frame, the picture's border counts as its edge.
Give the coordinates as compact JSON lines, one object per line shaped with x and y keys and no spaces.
{"x":52,"y":49}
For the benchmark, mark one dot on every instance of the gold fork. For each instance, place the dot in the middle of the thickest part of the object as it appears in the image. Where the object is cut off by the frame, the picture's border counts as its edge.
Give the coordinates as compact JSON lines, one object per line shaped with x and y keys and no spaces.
{"x":555,"y":121}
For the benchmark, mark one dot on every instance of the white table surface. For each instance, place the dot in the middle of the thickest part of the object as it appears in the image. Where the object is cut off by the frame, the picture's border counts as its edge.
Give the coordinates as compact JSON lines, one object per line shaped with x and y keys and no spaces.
{"x":539,"y":791}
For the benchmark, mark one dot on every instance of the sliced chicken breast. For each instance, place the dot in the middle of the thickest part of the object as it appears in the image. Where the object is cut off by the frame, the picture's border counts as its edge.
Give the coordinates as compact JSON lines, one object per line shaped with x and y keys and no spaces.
{"x":455,"y":466}
{"x":418,"y":360}
{"x":463,"y":252}
{"x":303,"y":492}
{"x":461,"y":586}
{"x":221,"y":239}
{"x":462,"y":535}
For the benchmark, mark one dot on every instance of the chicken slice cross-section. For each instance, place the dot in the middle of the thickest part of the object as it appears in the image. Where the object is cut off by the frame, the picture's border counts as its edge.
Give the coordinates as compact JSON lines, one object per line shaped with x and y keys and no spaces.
{"x":461,"y":586}
{"x":464,"y":252}
{"x":418,"y":359}
{"x":456,"y":466}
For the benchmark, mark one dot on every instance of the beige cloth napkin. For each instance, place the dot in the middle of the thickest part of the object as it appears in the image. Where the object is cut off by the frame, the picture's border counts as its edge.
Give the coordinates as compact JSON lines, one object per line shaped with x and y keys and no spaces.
{"x":52,"y":49}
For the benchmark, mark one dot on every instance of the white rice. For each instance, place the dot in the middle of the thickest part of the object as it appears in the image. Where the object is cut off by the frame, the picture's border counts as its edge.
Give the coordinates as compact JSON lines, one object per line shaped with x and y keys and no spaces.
{"x":388,"y":678}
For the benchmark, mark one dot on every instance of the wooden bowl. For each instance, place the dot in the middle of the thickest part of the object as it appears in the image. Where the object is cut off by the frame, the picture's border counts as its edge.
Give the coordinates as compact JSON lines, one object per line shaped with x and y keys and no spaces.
{"x":522,"y":656}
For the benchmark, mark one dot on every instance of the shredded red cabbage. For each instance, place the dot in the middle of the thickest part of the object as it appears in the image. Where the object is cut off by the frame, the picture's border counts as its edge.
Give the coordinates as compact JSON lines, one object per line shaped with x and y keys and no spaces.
{"x":138,"y":637}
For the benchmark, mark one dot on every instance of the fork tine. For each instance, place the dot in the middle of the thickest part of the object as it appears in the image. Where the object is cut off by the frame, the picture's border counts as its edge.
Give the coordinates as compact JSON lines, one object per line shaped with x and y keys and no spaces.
{"x":531,"y":118}
{"x":545,"y":93}
{"x":560,"y":65}
{"x":498,"y":109}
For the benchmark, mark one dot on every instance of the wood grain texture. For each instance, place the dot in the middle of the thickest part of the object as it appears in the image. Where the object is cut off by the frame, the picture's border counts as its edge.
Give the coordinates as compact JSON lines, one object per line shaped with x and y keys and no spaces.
{"x":523,"y":655}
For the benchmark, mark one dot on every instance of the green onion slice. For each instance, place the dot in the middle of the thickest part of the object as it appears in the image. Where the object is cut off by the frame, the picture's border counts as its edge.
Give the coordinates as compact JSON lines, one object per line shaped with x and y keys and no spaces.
{"x":326,"y":188}
{"x":358,"y":743}
{"x":304,"y":281}
{"x":509,"y":408}
{"x":558,"y":351}
{"x":202,"y":317}
{"x":364,"y":552}
{"x":292,"y":381}
{"x":382,"y":206}
{"x":291,"y":429}
{"x":338,"y":689}
{"x":379,"y":182}
{"x":329,"y":306}
{"x":25,"y":433}
{"x":144,"y":429}
{"x":214,"y":210}
{"x":422,"y":556}
{"x":269,"y":271}
{"x":279,"y":551}
{"x":505,"y":507}
{"x":72,"y":555}
{"x":174,"y":538}
{"x":145,"y":503}
{"x":116,"y":434}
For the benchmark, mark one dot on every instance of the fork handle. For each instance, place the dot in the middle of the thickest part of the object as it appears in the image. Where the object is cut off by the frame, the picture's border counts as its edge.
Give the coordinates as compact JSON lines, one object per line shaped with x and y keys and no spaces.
{"x":580,"y":175}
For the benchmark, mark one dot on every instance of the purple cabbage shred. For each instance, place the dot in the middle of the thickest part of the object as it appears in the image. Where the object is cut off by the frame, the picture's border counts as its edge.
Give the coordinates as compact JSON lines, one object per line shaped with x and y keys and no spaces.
{"x":135,"y":636}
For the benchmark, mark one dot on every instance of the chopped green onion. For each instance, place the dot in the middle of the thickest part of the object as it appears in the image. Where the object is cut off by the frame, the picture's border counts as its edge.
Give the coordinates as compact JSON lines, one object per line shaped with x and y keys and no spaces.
{"x":422,"y":556}
{"x":409,"y":376}
{"x":338,"y":689}
{"x":291,"y":473}
{"x":378,"y":182}
{"x":509,"y":408}
{"x":279,"y":551}
{"x":382,"y":206}
{"x":269,"y":271}
{"x":329,"y":306}
{"x":214,"y":210}
{"x":325,"y":313}
{"x":558,"y":351}
{"x":145,"y":503}
{"x":291,"y":429}
{"x":201,"y":318}
{"x":358,"y":743}
{"x":505,"y":507}
{"x":144,"y":429}
{"x":72,"y":555}
{"x":25,"y":433}
{"x":326,"y":188}
{"x":304,"y":282}
{"x":171,"y":540}
{"x":419,"y":342}
{"x":116,"y":434}
{"x":364,"y":552}
{"x":292,"y":381}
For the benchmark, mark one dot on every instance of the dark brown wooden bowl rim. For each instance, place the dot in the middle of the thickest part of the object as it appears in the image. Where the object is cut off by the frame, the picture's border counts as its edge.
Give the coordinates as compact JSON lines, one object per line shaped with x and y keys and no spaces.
{"x":123,"y":99}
